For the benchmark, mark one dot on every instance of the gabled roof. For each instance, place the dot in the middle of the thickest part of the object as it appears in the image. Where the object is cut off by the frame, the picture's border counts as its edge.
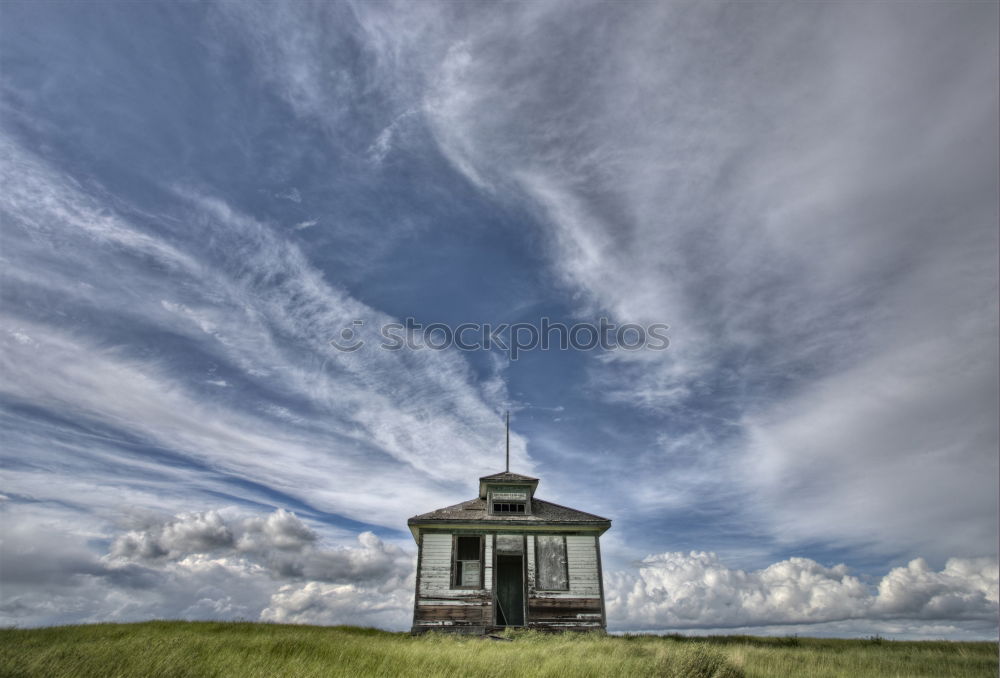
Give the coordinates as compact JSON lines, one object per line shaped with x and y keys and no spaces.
{"x":542,"y":513}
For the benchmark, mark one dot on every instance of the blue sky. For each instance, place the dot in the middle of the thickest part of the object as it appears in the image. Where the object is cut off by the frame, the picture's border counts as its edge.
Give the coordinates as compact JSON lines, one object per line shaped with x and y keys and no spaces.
{"x":197,"y":198}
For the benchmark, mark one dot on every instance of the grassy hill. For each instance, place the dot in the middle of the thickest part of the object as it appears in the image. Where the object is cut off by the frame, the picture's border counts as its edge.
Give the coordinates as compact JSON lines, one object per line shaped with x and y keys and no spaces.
{"x":247,"y":650}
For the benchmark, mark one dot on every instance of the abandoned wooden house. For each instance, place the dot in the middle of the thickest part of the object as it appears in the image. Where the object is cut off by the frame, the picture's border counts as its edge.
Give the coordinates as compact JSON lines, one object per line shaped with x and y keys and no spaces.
{"x":507,"y":558}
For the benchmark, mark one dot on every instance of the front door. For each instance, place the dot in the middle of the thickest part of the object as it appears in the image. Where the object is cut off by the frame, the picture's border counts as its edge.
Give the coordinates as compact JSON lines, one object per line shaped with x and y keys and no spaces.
{"x":510,"y":591}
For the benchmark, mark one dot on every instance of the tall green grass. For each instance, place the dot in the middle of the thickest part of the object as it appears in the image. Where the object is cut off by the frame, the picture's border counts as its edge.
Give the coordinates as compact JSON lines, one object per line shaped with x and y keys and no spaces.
{"x":247,"y":650}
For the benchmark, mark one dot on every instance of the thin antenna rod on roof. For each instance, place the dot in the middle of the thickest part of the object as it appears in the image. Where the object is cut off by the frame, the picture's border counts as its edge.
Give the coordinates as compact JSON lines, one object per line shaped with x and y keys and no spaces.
{"x":508,"y":441}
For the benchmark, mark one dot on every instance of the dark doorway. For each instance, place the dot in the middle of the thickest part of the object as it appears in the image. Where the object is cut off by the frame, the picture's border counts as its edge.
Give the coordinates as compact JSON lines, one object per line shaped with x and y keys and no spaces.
{"x":510,"y":591}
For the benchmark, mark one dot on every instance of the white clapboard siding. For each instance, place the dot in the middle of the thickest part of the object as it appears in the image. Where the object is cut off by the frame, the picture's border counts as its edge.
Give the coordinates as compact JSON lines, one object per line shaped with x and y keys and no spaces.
{"x":488,"y":564}
{"x":435,"y":567}
{"x":581,"y":561}
{"x":581,"y":557}
{"x":530,"y":555}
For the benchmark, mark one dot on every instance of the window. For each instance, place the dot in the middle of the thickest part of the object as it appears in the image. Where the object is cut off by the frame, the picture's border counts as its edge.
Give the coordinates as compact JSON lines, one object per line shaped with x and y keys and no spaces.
{"x":467,"y":571}
{"x":508,"y":507}
{"x":505,"y":501}
{"x":551,"y":572}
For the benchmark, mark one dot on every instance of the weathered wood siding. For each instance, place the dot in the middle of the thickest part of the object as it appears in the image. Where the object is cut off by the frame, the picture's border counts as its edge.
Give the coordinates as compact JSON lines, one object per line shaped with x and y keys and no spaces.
{"x":438,"y":604}
{"x":565,"y":614}
{"x":581,"y":554}
{"x":488,"y":562}
{"x":581,"y":557}
{"x":580,"y":607}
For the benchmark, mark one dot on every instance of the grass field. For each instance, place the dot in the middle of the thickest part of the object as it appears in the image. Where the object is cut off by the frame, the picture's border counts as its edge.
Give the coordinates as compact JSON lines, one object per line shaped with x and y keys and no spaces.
{"x":247,"y":650}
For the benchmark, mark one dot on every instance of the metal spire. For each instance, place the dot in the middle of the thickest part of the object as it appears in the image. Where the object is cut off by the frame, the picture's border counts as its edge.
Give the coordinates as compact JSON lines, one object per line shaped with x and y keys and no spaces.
{"x":508,"y":441}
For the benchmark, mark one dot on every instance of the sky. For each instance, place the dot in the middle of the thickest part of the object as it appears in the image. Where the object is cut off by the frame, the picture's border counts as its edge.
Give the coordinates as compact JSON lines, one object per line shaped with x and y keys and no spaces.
{"x":197,"y":198}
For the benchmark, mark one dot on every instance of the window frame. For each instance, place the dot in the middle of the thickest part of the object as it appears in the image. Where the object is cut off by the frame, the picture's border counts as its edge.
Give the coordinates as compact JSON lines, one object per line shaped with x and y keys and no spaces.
{"x":521,"y":504}
{"x":454,"y":574}
{"x":565,"y":559}
{"x":524,"y":499}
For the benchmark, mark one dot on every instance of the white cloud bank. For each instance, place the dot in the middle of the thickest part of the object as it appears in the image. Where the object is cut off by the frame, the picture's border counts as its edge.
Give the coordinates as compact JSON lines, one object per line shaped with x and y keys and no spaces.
{"x":225,"y":564}
{"x":696,"y":590}
{"x":219,"y":564}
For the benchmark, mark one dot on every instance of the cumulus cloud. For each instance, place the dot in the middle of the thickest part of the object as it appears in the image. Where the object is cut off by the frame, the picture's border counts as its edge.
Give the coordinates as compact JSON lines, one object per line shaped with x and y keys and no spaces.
{"x":965,"y":588}
{"x":279,"y":542}
{"x":208,"y":532}
{"x":228,"y":564}
{"x":319,"y":603}
{"x":219,"y":564}
{"x":697,"y":590}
